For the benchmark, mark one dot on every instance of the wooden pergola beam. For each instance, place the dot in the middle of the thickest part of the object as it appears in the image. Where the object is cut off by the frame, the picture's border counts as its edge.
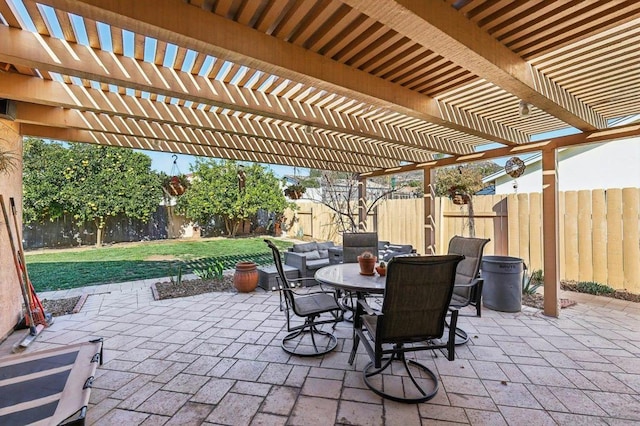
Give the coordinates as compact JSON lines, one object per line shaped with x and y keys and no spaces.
{"x":436,"y":24}
{"x":133,"y":142}
{"x":46,"y":116}
{"x":614,"y":133}
{"x":25,"y":49}
{"x":207,"y":33}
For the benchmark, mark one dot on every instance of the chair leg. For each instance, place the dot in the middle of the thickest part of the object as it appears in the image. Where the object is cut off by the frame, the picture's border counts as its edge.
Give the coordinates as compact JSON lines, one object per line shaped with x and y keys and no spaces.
{"x":461,"y":336}
{"x":479,"y":298}
{"x":321,"y":342}
{"x":417,"y":389}
{"x":354,"y":349}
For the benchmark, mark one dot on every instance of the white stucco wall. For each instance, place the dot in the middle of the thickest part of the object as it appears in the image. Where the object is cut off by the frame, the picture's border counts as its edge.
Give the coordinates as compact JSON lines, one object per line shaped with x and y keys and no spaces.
{"x":597,"y":166}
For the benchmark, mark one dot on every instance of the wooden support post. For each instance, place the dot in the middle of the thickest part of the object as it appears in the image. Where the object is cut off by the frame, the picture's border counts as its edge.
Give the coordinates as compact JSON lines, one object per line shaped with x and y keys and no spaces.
{"x":429,"y":212}
{"x":550,"y":218}
{"x":362,"y":204}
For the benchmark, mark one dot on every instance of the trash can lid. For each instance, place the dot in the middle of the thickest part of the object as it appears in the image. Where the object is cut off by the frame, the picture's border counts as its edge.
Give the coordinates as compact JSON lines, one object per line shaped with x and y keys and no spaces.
{"x":501,"y":259}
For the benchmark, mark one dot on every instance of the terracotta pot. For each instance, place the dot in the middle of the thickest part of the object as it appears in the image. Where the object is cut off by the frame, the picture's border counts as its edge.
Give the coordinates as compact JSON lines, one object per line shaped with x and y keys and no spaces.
{"x":245,"y":278}
{"x":367,"y":265}
{"x":381,"y":271}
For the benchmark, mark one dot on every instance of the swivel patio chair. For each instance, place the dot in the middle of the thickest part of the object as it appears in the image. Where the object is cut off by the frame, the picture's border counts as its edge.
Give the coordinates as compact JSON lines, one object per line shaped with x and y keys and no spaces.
{"x":306,"y":339}
{"x":468,"y":283}
{"x":414,"y":310}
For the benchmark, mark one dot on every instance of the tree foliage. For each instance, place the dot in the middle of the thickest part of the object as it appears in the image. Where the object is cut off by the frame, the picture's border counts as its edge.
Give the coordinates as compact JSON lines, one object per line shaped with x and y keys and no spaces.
{"x":464,"y":180}
{"x":467,"y":178}
{"x":217,"y":190}
{"x":43,"y":179}
{"x":90,"y":182}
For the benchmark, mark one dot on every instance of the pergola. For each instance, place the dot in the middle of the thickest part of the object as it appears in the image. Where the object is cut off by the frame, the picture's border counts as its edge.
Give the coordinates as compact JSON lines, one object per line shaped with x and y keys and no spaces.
{"x":371,"y":87}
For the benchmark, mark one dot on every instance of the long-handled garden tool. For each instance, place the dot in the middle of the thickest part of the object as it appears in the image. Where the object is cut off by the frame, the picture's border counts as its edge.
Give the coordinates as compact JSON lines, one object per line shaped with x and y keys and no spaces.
{"x":36,"y":323}
{"x":37,"y":309}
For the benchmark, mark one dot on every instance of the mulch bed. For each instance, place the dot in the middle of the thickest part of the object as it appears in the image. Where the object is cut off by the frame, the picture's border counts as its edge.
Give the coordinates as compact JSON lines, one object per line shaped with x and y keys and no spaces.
{"x":57,"y":307}
{"x":537,"y":301}
{"x":617,"y":294}
{"x":169,"y":290}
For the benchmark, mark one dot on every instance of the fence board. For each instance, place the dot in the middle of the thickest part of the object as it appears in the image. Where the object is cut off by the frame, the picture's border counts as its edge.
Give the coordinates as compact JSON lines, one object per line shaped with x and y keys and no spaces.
{"x":513,"y":246}
{"x":570,"y":236}
{"x":614,"y":238}
{"x":599,"y":235}
{"x":524,"y":232}
{"x":500,"y":240}
{"x":585,"y":236}
{"x":535,"y":232}
{"x":631,"y":239}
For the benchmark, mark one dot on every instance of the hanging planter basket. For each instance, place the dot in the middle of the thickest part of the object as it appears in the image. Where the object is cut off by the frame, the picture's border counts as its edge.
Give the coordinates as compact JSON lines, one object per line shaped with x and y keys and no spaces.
{"x":458,"y":196}
{"x":178,"y":183}
{"x":294,"y":192}
{"x":459,"y":199}
{"x":175,"y":186}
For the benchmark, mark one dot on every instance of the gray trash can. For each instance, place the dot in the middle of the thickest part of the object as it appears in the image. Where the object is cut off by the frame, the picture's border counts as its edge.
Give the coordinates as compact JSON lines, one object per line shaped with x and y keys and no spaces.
{"x":502,"y":289}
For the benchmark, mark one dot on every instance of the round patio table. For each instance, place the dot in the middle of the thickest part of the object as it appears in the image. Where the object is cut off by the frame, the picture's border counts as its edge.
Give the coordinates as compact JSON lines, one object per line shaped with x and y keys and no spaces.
{"x":347,"y":277}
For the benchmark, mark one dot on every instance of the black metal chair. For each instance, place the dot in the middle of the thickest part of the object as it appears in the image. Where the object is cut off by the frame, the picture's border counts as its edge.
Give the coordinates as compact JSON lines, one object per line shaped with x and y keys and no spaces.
{"x":413,"y":316}
{"x":468,"y":283}
{"x":306,"y":339}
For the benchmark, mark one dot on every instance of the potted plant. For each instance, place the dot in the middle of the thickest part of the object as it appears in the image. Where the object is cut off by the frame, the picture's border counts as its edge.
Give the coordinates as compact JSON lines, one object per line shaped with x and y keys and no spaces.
{"x":458,"y":194}
{"x":381,"y":269}
{"x":8,"y":162}
{"x":294,"y":191}
{"x":367,"y":261}
{"x":175,"y":185}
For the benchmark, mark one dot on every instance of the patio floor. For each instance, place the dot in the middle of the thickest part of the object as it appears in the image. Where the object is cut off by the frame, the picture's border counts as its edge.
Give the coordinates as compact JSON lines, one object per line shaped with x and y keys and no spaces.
{"x":216,"y":359}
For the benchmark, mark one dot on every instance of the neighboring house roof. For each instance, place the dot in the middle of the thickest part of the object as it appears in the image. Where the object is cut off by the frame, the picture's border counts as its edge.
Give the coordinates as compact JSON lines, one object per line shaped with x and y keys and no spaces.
{"x":487,"y":190}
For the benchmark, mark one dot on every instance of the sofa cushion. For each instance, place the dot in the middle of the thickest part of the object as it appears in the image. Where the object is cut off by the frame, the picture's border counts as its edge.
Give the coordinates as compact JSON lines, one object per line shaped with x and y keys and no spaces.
{"x":323,"y":249}
{"x":393,"y":250}
{"x":312,"y":255}
{"x":317,"y":264}
{"x":302,"y":248}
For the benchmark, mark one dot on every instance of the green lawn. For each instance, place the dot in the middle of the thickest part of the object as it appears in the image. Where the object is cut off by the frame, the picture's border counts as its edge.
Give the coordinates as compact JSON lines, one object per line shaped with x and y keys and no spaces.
{"x":56,"y":270}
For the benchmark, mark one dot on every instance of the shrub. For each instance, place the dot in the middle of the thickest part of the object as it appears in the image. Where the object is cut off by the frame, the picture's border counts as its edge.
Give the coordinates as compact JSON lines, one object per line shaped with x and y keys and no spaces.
{"x":177,"y":280}
{"x":213,"y":271}
{"x":593,"y":288}
{"x":535,"y":281}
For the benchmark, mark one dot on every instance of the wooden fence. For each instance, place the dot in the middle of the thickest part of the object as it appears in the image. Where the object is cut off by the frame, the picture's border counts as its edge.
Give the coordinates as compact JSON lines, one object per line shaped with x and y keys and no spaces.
{"x":599,"y":230}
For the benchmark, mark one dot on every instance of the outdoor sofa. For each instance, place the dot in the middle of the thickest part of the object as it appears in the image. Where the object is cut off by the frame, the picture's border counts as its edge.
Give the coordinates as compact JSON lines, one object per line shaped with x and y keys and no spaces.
{"x":386,"y":251}
{"x":308,"y":257}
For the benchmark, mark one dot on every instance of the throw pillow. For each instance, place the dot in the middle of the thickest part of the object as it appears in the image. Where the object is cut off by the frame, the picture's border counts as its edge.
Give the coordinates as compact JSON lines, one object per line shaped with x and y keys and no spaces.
{"x":312,"y":255}
{"x":302,"y":248}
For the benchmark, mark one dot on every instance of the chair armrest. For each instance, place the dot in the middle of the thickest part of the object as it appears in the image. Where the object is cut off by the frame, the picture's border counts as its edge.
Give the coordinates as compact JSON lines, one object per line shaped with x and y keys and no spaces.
{"x":367,"y":309}
{"x":297,"y":260}
{"x":474,"y":282}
